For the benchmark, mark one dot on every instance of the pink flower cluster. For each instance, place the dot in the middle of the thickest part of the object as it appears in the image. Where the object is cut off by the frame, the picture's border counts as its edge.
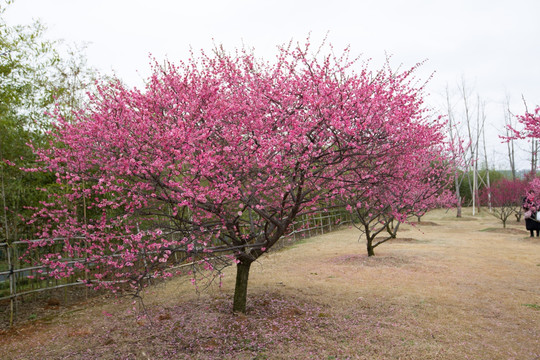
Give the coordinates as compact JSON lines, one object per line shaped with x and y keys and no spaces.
{"x":531,"y":125}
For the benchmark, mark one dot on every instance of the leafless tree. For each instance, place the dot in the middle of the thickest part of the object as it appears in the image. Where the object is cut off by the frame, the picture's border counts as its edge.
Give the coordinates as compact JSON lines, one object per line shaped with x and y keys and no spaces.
{"x":510,"y":144}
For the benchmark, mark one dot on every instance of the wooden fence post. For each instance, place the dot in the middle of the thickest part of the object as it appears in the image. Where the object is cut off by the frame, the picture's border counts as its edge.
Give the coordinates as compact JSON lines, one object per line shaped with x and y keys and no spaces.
{"x":12,"y":289}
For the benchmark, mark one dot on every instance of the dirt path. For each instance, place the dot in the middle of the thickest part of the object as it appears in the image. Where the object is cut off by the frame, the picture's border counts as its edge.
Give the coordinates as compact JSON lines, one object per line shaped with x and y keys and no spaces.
{"x":447,"y":289}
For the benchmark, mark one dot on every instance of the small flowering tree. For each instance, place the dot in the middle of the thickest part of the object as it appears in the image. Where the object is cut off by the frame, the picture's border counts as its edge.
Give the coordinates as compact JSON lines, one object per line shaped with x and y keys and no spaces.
{"x":214,"y":159}
{"x":506,"y":197}
{"x":531,"y":129}
{"x":417,"y":184}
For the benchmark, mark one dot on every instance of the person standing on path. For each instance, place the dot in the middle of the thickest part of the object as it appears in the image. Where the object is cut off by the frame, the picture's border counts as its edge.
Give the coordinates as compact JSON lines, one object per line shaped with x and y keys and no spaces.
{"x":530,"y":205}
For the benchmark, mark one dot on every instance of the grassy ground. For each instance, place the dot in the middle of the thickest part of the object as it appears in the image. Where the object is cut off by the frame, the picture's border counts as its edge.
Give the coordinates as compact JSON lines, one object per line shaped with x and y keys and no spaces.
{"x":446,"y":289}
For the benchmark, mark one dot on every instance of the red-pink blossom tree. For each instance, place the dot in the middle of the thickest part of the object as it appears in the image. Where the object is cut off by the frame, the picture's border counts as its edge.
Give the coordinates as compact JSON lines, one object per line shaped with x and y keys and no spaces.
{"x":506,"y":197}
{"x":215,"y":158}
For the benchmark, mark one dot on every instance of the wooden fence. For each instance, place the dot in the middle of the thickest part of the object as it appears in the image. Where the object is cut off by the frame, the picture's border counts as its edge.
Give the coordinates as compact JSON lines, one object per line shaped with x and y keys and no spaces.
{"x":19,"y":279}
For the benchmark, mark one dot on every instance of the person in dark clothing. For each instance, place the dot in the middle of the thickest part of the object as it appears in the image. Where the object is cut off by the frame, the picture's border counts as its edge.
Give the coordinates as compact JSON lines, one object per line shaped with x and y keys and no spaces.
{"x":530,"y":206}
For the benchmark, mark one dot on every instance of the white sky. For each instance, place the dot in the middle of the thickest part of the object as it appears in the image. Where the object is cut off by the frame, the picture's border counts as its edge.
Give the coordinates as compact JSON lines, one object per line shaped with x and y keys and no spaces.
{"x":493,"y":44}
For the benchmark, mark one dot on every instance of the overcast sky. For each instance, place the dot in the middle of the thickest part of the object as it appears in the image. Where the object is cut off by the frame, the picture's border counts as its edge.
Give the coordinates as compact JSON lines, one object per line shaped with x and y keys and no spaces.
{"x":492,"y":44}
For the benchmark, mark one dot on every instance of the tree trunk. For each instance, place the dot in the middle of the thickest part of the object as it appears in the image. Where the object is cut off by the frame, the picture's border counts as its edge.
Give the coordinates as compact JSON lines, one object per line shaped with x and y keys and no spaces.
{"x":370,"y":251}
{"x":510,"y":144}
{"x":534,"y":156}
{"x":390,"y":229}
{"x":455,"y":153}
{"x":240,"y":289}
{"x":458,"y":206}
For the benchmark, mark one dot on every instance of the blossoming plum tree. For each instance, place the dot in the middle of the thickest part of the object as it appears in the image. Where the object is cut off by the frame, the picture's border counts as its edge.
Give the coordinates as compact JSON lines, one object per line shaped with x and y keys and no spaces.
{"x":417,"y":182}
{"x":506,"y":197}
{"x":215,"y":158}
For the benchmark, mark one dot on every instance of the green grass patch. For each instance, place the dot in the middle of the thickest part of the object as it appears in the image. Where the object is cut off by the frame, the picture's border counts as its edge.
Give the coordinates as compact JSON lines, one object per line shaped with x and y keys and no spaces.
{"x":298,"y":242}
{"x":532,"y":306}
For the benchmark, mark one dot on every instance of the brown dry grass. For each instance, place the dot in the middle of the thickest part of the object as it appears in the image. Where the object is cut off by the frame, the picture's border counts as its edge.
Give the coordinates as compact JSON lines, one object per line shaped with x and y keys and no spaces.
{"x":449,"y":289}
